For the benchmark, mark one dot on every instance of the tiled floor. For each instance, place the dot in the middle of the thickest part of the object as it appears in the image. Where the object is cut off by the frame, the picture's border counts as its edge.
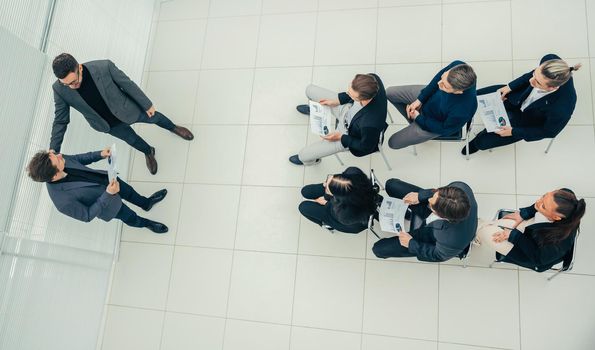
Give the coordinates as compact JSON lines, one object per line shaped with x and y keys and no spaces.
{"x":240,"y":269}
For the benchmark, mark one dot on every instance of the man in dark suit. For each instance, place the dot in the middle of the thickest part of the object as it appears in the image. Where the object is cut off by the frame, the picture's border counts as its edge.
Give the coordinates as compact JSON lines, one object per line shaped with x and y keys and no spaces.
{"x":443,"y":222}
{"x":109,"y":101}
{"x":84,"y":193}
{"x":360,"y":114}
{"x":539,"y":104}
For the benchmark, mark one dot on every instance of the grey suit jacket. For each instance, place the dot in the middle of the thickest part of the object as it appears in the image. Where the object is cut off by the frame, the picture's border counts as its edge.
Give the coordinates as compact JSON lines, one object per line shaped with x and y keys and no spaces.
{"x":123,"y":97}
{"x":84,"y":200}
{"x":441,"y":240}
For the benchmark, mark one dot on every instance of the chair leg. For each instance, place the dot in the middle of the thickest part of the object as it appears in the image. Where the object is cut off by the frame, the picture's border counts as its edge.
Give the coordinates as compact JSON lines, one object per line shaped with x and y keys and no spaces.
{"x":339,"y":159}
{"x":556,"y":274}
{"x":493,"y":262}
{"x":385,"y":159}
{"x":414,"y":150}
{"x":549,"y":146}
{"x":467,"y":148}
{"x":374,"y":232}
{"x":466,"y":259}
{"x":390,"y":116}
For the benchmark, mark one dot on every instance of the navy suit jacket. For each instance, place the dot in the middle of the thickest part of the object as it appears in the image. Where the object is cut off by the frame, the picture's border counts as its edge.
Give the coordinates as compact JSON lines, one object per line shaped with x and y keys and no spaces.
{"x":84,"y":201}
{"x":544,"y":118}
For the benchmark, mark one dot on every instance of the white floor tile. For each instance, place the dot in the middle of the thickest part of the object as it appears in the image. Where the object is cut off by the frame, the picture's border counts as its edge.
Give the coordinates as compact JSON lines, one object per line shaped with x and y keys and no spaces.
{"x":497,"y":168}
{"x":231,"y":43}
{"x":573,"y":168}
{"x":479,"y":306}
{"x":141,"y":276}
{"x":388,"y":3}
{"x":243,"y":335}
{"x":325,"y":5}
{"x":488,"y":40}
{"x":130,"y":328}
{"x":449,"y":346}
{"x":286,"y":40}
{"x":200,"y":281}
{"x":262,"y":287}
{"x":165,"y":212}
{"x":224,"y":96}
{"x":268,"y":219}
{"x":208,"y":216}
{"x":493,"y":73}
{"x":217,"y":155}
{"x":590,"y":24}
{"x":315,"y":240}
{"x":314,"y":339}
{"x":396,"y":291}
{"x":277,"y":91}
{"x":191,"y":332}
{"x":346,"y":37}
{"x":378,"y":342}
{"x":565,"y":20}
{"x":394,"y":47}
{"x":288,"y":6}
{"x":329,"y":293}
{"x":225,"y":8}
{"x":170,"y":152}
{"x":545,"y":306}
{"x":338,"y":78}
{"x":267,"y":155}
{"x":184,"y":9}
{"x":173,"y":94}
{"x":183,"y":53}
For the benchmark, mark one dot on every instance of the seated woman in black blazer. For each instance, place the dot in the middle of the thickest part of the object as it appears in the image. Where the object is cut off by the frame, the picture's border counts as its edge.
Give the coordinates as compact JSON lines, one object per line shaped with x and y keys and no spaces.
{"x":539,"y":105}
{"x":344,"y":202}
{"x":540,"y":235}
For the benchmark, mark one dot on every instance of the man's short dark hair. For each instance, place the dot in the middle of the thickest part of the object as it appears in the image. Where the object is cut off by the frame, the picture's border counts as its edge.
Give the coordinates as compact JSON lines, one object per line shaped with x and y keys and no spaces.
{"x":461,"y":77}
{"x":365,"y":85}
{"x":40,"y":167}
{"x":63,"y":65}
{"x":452,"y":204}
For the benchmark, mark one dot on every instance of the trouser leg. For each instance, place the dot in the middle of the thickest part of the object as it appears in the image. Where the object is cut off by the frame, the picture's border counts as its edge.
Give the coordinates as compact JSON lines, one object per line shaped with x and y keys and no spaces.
{"x":129,"y":194}
{"x":130,"y":218}
{"x":158,"y":118}
{"x":125,"y":133}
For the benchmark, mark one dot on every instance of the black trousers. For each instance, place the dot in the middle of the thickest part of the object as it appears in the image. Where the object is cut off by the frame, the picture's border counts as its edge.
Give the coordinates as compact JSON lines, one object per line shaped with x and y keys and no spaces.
{"x":488,"y":140}
{"x":321,"y":214}
{"x":127,"y":215}
{"x":125,"y":133}
{"x":391,"y":247}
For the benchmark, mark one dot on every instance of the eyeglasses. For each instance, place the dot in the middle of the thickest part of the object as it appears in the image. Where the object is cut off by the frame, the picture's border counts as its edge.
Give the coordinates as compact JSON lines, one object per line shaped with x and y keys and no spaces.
{"x":74,"y":82}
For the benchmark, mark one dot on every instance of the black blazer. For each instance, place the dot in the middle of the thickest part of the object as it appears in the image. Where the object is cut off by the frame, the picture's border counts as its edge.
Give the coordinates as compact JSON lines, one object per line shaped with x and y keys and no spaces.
{"x":364,"y":130}
{"x":544,"y":118}
{"x":441,"y":240}
{"x":527,"y":253}
{"x":352,"y":219}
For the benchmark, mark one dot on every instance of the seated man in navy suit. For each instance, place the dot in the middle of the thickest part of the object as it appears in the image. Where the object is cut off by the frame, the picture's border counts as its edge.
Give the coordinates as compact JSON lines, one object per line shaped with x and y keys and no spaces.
{"x":539,"y":105}
{"x":84,"y":193}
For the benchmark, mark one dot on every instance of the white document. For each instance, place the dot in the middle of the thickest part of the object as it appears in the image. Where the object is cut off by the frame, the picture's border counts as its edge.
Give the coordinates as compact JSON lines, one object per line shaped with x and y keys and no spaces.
{"x":321,"y":118}
{"x":392,"y":214}
{"x":491,"y":109}
{"x":112,"y":169}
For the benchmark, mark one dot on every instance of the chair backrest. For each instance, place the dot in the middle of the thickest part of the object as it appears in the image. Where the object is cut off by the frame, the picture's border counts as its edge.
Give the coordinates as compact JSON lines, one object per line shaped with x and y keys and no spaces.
{"x":460,"y":135}
{"x":463,"y":254}
{"x":568,"y":261}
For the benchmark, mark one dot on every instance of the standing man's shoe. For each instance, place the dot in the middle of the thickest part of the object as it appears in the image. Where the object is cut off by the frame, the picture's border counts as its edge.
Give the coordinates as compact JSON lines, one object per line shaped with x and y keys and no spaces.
{"x":304,"y":109}
{"x":183,"y":133}
{"x":156,"y":198}
{"x":151,"y":161}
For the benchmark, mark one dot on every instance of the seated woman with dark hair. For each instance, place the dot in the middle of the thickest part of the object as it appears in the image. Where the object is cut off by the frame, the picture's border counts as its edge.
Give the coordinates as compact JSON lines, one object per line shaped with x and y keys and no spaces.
{"x":540,"y":235}
{"x":344,"y":202}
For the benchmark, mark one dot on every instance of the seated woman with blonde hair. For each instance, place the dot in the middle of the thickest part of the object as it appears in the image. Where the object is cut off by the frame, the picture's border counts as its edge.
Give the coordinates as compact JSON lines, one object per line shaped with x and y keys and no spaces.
{"x":538,"y":236}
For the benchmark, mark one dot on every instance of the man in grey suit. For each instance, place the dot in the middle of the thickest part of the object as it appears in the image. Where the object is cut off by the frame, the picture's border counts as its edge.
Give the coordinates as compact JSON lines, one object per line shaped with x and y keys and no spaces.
{"x":443,"y":222}
{"x":84,"y":193}
{"x":109,"y":101}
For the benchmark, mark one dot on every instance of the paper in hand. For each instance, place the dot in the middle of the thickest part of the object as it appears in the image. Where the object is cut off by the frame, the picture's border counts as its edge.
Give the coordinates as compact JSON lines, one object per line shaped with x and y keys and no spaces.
{"x":491,"y":110}
{"x":392,"y":214}
{"x":112,"y":170}
{"x":320,"y":118}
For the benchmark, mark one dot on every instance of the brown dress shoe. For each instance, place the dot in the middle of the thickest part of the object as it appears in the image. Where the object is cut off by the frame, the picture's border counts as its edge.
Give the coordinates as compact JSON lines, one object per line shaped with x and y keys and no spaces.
{"x":183,"y":133}
{"x":151,"y":161}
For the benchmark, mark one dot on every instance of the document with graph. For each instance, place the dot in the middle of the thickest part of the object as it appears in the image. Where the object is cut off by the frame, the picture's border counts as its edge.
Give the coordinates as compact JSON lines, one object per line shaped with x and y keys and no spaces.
{"x":321,"y":118}
{"x":392,"y":214}
{"x":491,"y":110}
{"x":112,"y":169}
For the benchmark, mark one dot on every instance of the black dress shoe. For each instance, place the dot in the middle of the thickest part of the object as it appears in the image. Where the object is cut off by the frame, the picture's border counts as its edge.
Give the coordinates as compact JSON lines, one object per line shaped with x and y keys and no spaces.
{"x":304,"y":109}
{"x":156,"y":227}
{"x":472,"y":149}
{"x":156,"y":198}
{"x":151,"y":161}
{"x":183,"y":133}
{"x":296,"y":160}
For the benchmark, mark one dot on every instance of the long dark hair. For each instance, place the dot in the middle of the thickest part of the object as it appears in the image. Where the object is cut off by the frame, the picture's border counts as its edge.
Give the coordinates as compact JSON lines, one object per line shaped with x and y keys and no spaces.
{"x":571,"y":209}
{"x":354,"y":198}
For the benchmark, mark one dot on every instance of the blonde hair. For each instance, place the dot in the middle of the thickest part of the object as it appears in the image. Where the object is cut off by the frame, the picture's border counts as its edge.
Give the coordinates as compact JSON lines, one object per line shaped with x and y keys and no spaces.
{"x":558,"y":72}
